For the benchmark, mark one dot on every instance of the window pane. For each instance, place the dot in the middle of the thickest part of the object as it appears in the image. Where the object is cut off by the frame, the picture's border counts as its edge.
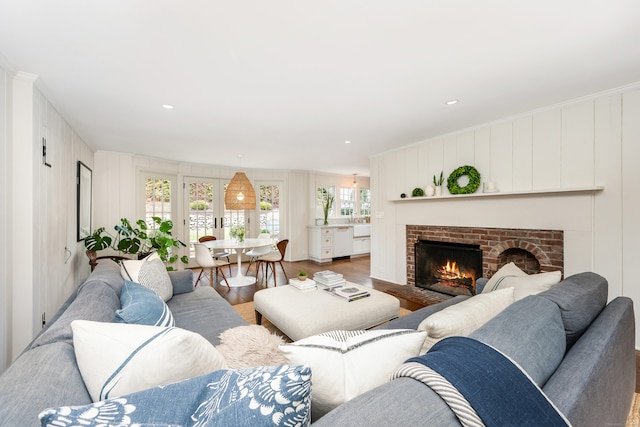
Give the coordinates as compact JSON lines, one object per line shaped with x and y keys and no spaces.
{"x":201,"y":214}
{"x":322,"y":194}
{"x":157,"y":200}
{"x":269,"y":196}
{"x":346,"y":201}
{"x":365,"y":201}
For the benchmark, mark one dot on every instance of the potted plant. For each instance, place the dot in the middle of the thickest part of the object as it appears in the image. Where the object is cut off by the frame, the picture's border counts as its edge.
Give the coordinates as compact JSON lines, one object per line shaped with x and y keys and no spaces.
{"x":138,"y":240}
{"x":302,"y":276}
{"x":238,"y":232}
{"x":438,"y":183}
{"x":326,"y":199}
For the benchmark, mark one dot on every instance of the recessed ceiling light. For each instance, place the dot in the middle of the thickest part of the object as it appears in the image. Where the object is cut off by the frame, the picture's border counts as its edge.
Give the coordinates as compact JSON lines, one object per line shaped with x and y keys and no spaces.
{"x":347,"y":142}
{"x":452,"y":102}
{"x":167,"y":106}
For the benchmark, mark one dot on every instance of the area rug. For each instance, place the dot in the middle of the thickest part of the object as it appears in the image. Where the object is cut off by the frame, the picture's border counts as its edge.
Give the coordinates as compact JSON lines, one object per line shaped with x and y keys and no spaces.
{"x":634,"y":415}
{"x":248,"y":313}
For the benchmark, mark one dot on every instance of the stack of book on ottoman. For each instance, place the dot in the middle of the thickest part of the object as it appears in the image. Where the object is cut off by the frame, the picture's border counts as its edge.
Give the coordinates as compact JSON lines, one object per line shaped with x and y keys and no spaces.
{"x":329,"y":278}
{"x":348,"y":292}
{"x":303,"y":285}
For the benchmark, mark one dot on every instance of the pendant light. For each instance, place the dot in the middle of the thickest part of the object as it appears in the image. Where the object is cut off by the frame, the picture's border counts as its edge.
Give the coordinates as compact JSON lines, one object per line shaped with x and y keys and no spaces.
{"x":240,"y":194}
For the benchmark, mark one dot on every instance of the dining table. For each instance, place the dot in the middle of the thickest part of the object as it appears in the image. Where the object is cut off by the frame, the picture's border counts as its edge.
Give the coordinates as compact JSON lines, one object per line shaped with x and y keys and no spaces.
{"x":239,"y":247}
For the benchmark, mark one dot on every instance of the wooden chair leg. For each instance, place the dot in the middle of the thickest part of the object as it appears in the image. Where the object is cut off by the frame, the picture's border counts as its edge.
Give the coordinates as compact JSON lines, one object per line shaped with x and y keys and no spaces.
{"x":223,"y":276}
{"x":198,"y":279}
{"x":211,"y":276}
{"x":285,"y":273}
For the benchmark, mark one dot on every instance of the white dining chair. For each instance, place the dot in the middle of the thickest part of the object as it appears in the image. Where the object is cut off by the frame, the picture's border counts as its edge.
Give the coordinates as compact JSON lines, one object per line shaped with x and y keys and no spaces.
{"x":206,"y":261}
{"x":255,"y":253}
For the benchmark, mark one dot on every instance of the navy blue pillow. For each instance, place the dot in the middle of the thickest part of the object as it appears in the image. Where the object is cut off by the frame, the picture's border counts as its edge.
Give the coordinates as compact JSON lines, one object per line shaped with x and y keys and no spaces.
{"x":142,"y":306}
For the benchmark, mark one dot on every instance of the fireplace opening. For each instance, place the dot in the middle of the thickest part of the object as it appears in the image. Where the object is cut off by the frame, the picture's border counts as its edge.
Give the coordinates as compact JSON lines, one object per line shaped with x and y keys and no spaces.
{"x":449,"y":268}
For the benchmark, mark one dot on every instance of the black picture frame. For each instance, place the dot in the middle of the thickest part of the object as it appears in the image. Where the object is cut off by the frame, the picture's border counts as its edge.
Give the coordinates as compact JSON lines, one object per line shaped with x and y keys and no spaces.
{"x":84,"y":193}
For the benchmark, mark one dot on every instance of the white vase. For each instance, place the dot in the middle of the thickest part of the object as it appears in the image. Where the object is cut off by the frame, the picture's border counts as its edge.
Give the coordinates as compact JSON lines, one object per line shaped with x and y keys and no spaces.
{"x":430,"y":190}
{"x":439,"y":190}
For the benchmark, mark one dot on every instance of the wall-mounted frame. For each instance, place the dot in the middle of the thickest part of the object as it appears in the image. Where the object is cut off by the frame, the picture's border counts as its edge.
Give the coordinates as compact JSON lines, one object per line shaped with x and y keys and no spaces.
{"x":83,"y":182}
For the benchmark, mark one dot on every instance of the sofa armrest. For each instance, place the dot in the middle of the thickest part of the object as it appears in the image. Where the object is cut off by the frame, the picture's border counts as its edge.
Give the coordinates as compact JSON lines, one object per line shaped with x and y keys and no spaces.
{"x":413,"y":320}
{"x":604,"y":357}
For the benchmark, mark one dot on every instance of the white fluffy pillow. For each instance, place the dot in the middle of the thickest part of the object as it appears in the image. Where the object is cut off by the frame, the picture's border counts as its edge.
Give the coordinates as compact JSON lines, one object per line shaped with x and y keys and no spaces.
{"x":149,"y":272}
{"x":510,"y":276}
{"x":507,"y":270}
{"x":118,"y":358}
{"x":345,"y":364}
{"x":465,"y":317}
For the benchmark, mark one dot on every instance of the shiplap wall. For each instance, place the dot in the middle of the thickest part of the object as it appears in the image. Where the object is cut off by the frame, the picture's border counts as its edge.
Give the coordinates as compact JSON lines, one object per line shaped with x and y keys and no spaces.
{"x":593,"y":141}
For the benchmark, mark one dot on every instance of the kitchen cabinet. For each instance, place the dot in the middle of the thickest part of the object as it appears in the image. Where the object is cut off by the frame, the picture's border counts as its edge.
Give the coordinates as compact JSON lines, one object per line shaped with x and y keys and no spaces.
{"x":326,"y":243}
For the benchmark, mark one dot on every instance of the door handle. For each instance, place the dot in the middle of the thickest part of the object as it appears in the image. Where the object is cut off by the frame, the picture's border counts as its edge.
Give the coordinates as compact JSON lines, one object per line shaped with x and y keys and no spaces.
{"x":215,"y":223}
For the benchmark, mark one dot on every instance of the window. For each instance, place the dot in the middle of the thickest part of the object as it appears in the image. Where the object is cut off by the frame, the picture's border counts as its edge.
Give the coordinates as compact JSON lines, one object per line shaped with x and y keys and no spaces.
{"x":347,"y":201}
{"x":269,"y":199}
{"x":324,"y":209}
{"x":157,"y":199}
{"x":365,"y":201}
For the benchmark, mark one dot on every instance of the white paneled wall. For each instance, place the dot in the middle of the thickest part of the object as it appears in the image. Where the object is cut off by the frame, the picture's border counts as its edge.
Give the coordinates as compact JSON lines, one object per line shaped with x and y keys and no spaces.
{"x":593,"y":141}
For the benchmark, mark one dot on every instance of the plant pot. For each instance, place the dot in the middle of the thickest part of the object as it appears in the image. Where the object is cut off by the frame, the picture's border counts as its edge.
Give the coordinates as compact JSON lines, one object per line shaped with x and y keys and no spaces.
{"x":302,"y":278}
{"x":438,"y":190}
{"x":430,"y":190}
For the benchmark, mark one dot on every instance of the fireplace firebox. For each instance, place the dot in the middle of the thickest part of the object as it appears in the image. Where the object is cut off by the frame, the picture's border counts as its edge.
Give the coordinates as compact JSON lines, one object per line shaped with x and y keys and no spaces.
{"x":449,"y":268}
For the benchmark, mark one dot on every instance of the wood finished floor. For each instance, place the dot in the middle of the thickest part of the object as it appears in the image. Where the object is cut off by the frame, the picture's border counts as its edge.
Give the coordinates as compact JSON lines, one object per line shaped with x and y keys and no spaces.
{"x":355,"y":270}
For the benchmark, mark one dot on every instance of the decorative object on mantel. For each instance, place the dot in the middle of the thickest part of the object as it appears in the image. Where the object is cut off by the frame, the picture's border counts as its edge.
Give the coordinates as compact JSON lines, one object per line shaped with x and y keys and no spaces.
{"x":490,"y":187}
{"x":471,"y":173}
{"x":429,"y":190}
{"x":417,"y":192}
{"x":437,"y":183}
{"x":507,"y":194}
{"x":403,"y":196}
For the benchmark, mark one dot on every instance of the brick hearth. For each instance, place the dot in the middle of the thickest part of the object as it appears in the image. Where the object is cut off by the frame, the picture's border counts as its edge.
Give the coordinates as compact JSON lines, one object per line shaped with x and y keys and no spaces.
{"x":533,"y":251}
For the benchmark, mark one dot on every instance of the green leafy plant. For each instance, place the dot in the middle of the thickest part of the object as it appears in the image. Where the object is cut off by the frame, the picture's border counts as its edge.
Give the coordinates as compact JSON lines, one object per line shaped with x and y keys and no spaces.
{"x":138,"y":239}
{"x":438,"y":182}
{"x":198,"y":205}
{"x":237,"y":231}
{"x":98,"y":241}
{"x":326,"y":199}
{"x":265,"y":206}
{"x":468,"y":171}
{"x":302,"y":275}
{"x":417,"y":192}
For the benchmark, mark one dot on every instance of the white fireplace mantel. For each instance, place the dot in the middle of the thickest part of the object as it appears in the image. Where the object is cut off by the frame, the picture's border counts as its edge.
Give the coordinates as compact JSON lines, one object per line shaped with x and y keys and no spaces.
{"x":543,"y":192}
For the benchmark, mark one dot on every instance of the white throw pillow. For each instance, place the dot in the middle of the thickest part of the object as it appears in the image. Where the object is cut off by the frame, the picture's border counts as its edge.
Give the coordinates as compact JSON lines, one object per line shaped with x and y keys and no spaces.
{"x":507,"y":270}
{"x":149,"y":272}
{"x":524,"y":284}
{"x":465,"y":317}
{"x":115,"y":359}
{"x":345,"y":364}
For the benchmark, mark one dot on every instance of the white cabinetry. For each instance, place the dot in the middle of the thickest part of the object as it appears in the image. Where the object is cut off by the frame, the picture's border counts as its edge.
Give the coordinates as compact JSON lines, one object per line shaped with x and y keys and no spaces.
{"x":361,"y":245}
{"x":326,"y":243}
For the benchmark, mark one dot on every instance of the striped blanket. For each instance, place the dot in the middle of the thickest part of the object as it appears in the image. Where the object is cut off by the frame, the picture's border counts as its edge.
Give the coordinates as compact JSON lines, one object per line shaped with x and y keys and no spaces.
{"x":482,"y":386}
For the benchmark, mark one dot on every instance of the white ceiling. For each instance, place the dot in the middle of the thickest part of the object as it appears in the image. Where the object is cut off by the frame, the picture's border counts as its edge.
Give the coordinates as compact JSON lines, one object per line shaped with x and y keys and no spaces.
{"x":284,"y":83}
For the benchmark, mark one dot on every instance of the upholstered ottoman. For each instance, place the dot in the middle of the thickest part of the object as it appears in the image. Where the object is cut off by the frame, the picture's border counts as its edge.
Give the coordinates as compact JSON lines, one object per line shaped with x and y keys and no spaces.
{"x":300,"y":314}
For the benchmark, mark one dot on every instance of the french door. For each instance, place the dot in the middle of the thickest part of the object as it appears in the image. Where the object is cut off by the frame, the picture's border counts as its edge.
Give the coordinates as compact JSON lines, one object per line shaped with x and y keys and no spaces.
{"x":205,"y":214}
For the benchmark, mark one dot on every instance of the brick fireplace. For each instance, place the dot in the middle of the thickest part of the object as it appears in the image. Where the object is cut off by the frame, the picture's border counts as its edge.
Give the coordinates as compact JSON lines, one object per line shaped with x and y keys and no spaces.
{"x":534,"y":251}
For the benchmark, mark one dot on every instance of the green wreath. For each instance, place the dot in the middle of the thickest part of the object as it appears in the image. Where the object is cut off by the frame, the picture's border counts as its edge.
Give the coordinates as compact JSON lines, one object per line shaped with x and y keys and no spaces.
{"x":471,"y":187}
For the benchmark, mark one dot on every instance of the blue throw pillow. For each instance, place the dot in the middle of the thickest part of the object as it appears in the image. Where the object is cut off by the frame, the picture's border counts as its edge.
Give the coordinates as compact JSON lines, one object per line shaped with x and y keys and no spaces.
{"x":263,"y":396}
{"x":142,"y":306}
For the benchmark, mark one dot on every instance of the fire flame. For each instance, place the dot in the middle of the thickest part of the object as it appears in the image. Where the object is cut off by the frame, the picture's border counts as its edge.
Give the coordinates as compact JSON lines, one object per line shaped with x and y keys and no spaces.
{"x":450,"y":271}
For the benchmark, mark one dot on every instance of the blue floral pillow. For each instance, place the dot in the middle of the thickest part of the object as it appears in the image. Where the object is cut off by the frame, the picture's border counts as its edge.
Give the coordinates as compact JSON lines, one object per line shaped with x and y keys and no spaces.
{"x":263,"y":396}
{"x":142,"y":306}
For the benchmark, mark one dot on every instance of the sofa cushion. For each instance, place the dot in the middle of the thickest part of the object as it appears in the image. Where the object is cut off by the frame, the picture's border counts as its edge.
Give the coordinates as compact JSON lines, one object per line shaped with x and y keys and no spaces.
{"x":142,"y":306}
{"x":42,"y":377}
{"x":530,"y":332}
{"x":107,"y":271}
{"x":510,"y":276}
{"x":95,"y":300}
{"x":116,"y":359}
{"x":348,"y":363}
{"x":264,"y":396}
{"x":465,"y":317}
{"x":182,"y":281}
{"x":205,"y":312}
{"x":581,"y":298}
{"x":150,"y":272}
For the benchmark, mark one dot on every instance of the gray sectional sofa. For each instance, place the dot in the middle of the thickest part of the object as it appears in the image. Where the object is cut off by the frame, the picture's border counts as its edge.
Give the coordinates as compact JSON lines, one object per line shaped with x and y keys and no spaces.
{"x":579,"y":349}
